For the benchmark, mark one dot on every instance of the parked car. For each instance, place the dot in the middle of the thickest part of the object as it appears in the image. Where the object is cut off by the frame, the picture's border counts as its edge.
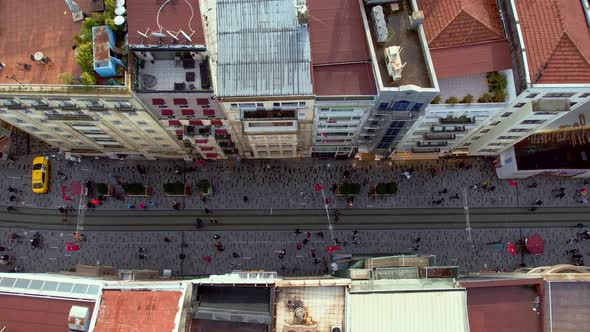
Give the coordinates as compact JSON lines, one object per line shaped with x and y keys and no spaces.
{"x":40,"y":175}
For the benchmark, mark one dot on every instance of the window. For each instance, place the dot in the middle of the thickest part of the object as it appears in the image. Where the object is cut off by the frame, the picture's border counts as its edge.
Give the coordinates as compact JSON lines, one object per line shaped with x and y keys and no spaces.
{"x":585,"y":95}
{"x":158,"y":138}
{"x":150,"y":131}
{"x":498,"y":144}
{"x":559,"y":95}
{"x":488,"y":150}
{"x":31,"y":128}
{"x":116,"y":122}
{"x":125,"y":130}
{"x":383,"y":106}
{"x":573,"y":103}
{"x":417,"y":106}
{"x":142,"y":123}
{"x":466,"y":144}
{"x":508,"y":137}
{"x":399,"y":106}
{"x":519,"y":105}
{"x":483,"y":131}
{"x":519,"y":130}
{"x":494,"y":123}
{"x":507,"y":114}
{"x":475,"y":138}
{"x":234,"y":105}
{"x":532,"y":121}
{"x":532,"y":95}
{"x":58,"y":129}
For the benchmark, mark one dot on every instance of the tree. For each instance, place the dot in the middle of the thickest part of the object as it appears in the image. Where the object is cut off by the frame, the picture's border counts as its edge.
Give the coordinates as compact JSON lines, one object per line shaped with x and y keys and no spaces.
{"x":88,"y":78}
{"x":66,"y":78}
{"x":84,"y":56}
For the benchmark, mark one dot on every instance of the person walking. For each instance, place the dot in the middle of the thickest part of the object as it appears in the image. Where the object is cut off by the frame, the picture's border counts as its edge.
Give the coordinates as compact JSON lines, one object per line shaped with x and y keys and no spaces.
{"x":10,"y":209}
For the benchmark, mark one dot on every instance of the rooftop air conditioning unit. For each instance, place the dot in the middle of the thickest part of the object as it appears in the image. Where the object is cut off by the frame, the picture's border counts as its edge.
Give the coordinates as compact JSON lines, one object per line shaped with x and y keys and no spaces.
{"x":79,"y":319}
{"x":336,"y":328}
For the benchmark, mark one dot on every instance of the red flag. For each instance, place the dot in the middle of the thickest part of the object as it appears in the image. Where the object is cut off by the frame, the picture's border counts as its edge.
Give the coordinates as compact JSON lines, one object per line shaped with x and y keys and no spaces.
{"x":318,"y":187}
{"x":333,"y":248}
{"x":512,"y":184}
{"x":511,"y":248}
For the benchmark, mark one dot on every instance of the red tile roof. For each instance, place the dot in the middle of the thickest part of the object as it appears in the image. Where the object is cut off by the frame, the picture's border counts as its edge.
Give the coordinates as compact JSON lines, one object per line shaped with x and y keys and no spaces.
{"x":351,"y":79}
{"x":339,"y":49}
{"x":460,"y":22}
{"x":557,"y":40}
{"x":146,"y":311}
{"x":174,"y":16}
{"x":22,"y":313}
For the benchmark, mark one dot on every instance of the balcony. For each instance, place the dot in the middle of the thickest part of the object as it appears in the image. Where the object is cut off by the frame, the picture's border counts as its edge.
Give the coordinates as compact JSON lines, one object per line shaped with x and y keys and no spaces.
{"x":197,"y":131}
{"x":425,"y":150}
{"x":439,"y":136}
{"x":457,"y":120}
{"x":447,"y":129}
{"x":269,"y":115}
{"x":270,"y":127}
{"x":431,"y":144}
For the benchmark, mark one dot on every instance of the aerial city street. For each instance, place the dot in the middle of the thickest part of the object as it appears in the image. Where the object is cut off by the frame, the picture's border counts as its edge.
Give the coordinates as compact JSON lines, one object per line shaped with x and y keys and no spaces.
{"x":294,"y":165}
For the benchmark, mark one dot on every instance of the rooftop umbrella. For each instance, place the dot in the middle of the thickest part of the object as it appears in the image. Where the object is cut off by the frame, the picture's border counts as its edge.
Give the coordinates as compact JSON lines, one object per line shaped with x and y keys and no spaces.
{"x":535,"y":244}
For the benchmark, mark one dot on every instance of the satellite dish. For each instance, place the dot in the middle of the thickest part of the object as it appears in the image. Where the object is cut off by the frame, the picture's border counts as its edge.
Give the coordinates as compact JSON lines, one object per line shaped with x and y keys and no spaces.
{"x":187,"y":37}
{"x":172,"y":35}
{"x":143,"y":34}
{"x":119,"y":20}
{"x":158,"y":34}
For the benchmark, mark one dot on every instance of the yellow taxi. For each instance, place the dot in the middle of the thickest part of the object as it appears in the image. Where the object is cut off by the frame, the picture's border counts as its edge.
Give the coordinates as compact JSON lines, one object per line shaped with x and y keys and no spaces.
{"x":40,"y":175}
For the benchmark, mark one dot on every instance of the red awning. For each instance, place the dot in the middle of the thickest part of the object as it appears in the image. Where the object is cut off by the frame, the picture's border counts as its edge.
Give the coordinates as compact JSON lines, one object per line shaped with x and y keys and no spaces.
{"x":179,"y":132}
{"x":216,"y":122}
{"x":167,"y":112}
{"x":180,"y":101}
{"x":174,"y":123}
{"x":158,"y":101}
{"x":209,"y":112}
{"x":202,"y":101}
{"x":188,"y":111}
{"x":206,"y":148}
{"x":195,"y":122}
{"x":211,"y":155}
{"x":201,"y":141}
{"x":221,"y":131}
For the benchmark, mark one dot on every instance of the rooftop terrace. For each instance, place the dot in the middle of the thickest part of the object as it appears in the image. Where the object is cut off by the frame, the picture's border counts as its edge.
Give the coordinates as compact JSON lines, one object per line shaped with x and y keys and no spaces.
{"x":415,"y":71}
{"x":28,"y":27}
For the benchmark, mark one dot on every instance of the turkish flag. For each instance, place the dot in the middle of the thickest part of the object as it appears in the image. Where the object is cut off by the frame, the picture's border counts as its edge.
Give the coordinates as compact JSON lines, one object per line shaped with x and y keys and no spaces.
{"x":318,"y":187}
{"x":512,"y":184}
{"x":511,"y":248}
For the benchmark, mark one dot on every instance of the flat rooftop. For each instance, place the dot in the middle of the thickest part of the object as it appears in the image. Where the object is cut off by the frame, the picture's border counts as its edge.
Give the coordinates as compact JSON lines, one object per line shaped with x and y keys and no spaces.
{"x":339,"y":50}
{"x":173,"y":17}
{"x":399,"y":34}
{"x":27,"y":27}
{"x":24,"y":313}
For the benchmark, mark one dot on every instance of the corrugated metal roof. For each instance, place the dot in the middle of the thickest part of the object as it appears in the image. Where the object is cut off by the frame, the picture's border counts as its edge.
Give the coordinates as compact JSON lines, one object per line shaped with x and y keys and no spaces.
{"x":262,"y":50}
{"x":421,"y":311}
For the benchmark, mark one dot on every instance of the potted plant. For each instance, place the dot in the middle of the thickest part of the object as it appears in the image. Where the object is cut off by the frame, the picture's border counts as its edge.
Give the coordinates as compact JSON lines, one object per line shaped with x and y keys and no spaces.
{"x":205,"y":187}
{"x":136,"y":189}
{"x":348,"y":189}
{"x":176,"y":189}
{"x":452,"y":100}
{"x":103,"y":189}
{"x":386,"y":188}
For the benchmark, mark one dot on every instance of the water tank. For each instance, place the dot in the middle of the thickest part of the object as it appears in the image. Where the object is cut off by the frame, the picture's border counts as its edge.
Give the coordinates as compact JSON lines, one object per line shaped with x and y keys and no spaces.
{"x":79,"y":318}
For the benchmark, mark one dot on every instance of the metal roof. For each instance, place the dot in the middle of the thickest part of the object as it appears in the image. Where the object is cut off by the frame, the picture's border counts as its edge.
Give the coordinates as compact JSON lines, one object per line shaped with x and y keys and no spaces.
{"x":408,"y":307}
{"x":262,"y":50}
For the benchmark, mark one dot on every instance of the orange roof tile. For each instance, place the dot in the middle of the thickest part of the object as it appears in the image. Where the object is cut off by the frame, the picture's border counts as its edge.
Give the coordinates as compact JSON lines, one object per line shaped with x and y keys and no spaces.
{"x":146,"y":311}
{"x":557,"y":40}
{"x":460,"y":22}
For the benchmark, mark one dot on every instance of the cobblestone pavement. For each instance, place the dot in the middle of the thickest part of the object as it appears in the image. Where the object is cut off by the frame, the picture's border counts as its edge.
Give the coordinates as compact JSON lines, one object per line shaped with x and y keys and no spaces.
{"x":259,"y":250}
{"x":289,"y":183}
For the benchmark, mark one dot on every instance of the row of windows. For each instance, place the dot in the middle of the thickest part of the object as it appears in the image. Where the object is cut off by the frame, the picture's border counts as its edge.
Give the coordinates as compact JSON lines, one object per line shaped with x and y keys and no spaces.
{"x":399,"y":106}
{"x":559,"y":95}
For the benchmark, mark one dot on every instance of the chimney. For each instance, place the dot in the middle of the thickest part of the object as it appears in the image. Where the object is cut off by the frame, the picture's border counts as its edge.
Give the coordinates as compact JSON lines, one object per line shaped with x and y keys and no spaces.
{"x":416,"y":18}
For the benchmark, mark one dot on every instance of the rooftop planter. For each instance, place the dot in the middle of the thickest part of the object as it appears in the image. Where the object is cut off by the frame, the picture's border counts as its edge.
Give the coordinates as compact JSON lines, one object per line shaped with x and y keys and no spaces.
{"x":136,"y":189}
{"x":103,"y":189}
{"x":176,"y":189}
{"x":205,"y":187}
{"x":348,"y":189}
